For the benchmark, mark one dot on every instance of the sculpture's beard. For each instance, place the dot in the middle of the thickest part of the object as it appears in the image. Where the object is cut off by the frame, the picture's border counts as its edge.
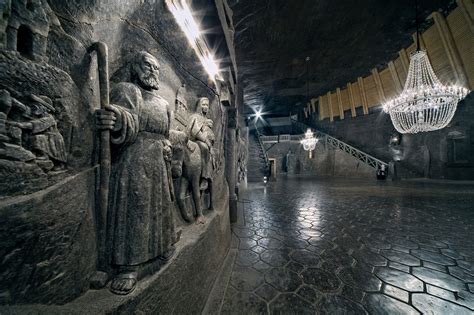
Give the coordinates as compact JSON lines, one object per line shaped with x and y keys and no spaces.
{"x":149,"y":80}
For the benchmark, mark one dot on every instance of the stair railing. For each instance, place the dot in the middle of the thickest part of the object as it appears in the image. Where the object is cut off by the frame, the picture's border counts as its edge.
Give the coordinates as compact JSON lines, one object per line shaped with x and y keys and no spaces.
{"x":338,"y":144}
{"x":260,"y":142}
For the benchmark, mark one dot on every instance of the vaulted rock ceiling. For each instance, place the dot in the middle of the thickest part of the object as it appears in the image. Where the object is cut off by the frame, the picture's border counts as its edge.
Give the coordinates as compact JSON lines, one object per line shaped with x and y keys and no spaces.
{"x":343,"y":38}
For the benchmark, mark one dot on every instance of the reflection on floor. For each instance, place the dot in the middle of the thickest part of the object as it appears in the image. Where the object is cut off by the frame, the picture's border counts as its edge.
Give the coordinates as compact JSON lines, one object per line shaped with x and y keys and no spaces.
{"x":336,"y":246}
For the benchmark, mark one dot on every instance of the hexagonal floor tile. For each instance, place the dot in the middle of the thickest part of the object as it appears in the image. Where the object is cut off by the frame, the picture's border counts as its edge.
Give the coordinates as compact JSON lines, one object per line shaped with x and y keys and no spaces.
{"x":400,"y":279}
{"x":433,"y":257}
{"x":321,"y":279}
{"x":305,"y":257}
{"x":270,"y":243}
{"x":283,"y":280}
{"x":291,"y":303}
{"x":383,"y":304}
{"x":246,"y":257}
{"x":439,"y":279}
{"x":246,"y":278}
{"x":401,"y":258}
{"x":266,"y":292}
{"x":245,"y":303}
{"x":359,"y":278}
{"x":338,"y":305}
{"x":432,"y":305}
{"x":309,"y":294}
{"x":275,"y":258}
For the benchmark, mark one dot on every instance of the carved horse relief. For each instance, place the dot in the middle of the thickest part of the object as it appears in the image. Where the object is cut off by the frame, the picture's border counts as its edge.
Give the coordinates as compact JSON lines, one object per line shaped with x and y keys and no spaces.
{"x":187,"y":168}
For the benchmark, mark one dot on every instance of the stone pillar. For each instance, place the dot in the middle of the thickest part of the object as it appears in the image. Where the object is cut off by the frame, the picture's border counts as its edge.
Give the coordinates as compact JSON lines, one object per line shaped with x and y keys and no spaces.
{"x":231,"y":161}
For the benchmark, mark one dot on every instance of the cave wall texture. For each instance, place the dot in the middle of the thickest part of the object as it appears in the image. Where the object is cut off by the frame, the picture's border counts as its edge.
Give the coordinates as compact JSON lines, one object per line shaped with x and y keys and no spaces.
{"x":48,"y":237}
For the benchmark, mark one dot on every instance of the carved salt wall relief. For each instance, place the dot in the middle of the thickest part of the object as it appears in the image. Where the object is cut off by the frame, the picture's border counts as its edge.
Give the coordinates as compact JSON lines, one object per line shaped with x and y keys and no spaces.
{"x":195,"y":158}
{"x":141,"y":191}
{"x":30,"y":136}
{"x":48,"y":95}
{"x":40,"y":104}
{"x":241,"y":158}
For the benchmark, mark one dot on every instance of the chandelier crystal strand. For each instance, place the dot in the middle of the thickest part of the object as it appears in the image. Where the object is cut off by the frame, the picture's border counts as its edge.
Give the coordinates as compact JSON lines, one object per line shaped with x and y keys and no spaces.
{"x":309,"y":141}
{"x":425,"y":103}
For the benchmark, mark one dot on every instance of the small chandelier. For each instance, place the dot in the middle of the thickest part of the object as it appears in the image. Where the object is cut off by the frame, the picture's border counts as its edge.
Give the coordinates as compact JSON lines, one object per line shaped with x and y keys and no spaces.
{"x":309,"y":141}
{"x":425,"y":104}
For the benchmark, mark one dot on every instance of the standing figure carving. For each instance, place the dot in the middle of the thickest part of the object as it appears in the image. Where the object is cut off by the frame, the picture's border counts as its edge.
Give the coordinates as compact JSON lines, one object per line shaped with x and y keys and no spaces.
{"x":200,"y":131}
{"x":140,"y":225}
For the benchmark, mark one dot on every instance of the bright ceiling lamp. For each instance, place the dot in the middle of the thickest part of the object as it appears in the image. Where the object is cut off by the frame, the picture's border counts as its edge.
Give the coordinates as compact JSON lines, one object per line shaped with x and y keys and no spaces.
{"x":425,"y":104}
{"x":309,"y":141}
{"x":184,"y":18}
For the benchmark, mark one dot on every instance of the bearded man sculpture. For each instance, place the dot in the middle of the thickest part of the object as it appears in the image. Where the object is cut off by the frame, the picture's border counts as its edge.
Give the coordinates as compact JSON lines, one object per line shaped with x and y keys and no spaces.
{"x":140,"y":225}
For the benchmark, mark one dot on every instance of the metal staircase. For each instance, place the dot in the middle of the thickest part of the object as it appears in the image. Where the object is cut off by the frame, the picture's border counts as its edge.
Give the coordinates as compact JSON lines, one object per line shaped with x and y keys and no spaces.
{"x":338,"y":144}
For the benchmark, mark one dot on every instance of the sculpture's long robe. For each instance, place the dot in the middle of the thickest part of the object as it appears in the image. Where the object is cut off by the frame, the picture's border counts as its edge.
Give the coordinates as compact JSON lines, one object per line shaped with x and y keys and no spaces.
{"x":140,"y":220}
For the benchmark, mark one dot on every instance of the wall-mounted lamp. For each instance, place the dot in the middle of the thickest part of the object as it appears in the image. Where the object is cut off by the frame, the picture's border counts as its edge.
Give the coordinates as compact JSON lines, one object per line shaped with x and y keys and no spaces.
{"x":395,"y":139}
{"x":184,"y":18}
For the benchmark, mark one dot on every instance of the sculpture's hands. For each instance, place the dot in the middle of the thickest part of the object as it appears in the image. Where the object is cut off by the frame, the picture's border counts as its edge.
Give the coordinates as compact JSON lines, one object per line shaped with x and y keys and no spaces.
{"x":167,"y":150}
{"x":108,"y":119}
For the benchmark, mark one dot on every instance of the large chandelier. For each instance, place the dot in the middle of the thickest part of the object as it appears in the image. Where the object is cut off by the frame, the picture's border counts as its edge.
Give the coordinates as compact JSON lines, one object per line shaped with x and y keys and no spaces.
{"x":309,"y":141}
{"x":425,"y":103}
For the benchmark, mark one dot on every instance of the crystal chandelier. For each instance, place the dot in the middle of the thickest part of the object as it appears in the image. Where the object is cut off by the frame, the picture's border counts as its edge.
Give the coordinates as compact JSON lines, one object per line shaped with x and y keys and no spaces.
{"x":309,"y":141}
{"x":425,"y":104}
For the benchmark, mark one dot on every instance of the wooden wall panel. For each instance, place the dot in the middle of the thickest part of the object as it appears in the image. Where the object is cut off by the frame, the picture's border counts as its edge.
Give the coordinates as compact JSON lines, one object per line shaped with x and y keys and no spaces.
{"x":371,"y":92}
{"x":400,"y":70}
{"x":464,"y":39}
{"x":388,"y":85}
{"x":335,"y":107}
{"x":323,"y":111}
{"x":346,"y":104}
{"x":330,"y":106}
{"x":356,"y":93}
{"x":438,"y":58}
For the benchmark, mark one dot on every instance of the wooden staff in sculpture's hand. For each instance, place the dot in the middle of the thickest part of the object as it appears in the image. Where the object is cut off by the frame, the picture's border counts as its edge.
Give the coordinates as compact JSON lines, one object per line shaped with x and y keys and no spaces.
{"x":105,"y":124}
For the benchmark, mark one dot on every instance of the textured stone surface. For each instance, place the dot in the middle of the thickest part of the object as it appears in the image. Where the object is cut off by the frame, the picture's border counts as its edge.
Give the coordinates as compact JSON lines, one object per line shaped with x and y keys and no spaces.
{"x":368,"y":247}
{"x":44,"y":261}
{"x":172,"y":288}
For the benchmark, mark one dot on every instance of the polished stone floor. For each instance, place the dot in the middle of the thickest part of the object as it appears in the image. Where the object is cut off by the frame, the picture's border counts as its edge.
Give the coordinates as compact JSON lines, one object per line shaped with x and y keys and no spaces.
{"x":353,"y":247}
